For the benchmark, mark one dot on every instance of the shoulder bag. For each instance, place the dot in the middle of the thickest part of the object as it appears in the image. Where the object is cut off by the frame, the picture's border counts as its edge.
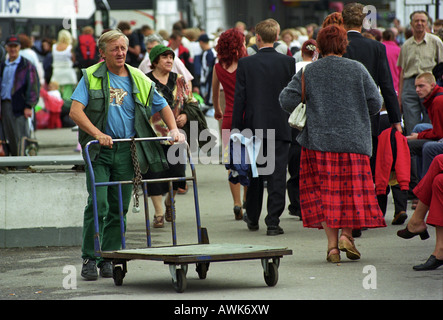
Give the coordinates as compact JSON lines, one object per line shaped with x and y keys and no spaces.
{"x":297,"y":119}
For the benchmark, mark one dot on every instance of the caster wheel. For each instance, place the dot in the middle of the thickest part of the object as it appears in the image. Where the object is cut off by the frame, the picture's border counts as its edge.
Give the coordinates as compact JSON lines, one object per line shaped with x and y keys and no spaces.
{"x":202,"y":270}
{"x":118,"y":276}
{"x":271,"y":277}
{"x":180,"y":284}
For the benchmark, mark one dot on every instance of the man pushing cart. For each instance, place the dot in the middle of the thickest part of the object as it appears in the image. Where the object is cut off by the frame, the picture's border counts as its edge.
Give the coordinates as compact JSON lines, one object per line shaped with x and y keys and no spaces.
{"x":114,"y":101}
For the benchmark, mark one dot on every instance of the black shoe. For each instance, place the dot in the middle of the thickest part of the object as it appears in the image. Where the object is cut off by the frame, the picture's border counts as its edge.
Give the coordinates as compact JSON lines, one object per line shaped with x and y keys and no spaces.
{"x":356,"y":233}
{"x":274,"y":231}
{"x":238,"y":213}
{"x":89,"y":270}
{"x":294,"y":212}
{"x":251,"y":226}
{"x":432,"y":264}
{"x":406,"y":234}
{"x":399,"y":218}
{"x":106,"y":269}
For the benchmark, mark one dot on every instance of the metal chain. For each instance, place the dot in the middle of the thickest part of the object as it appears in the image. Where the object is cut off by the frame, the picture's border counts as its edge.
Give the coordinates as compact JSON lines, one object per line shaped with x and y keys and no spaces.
{"x":137,"y":173}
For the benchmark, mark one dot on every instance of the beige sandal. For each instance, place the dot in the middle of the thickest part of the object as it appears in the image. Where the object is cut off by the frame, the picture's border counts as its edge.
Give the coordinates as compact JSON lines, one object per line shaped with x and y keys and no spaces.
{"x":348,"y":247}
{"x":334,"y":257}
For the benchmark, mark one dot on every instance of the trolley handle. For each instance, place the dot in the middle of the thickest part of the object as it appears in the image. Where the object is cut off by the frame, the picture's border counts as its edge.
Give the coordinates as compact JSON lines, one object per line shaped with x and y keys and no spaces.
{"x":88,"y":159}
{"x":135,"y":139}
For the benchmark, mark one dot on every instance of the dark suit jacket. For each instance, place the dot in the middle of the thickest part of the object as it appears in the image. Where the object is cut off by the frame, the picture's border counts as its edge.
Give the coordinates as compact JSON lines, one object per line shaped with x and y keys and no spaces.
{"x":260,"y":79}
{"x":372,"y":54}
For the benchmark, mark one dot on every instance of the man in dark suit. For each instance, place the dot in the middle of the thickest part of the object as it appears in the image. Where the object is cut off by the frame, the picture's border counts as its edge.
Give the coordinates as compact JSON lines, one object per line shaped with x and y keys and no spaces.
{"x":372,"y":54}
{"x":260,"y":79}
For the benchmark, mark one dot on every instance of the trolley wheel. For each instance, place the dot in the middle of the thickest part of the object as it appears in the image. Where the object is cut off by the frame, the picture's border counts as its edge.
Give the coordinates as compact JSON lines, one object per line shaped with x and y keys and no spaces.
{"x":271,"y":276}
{"x":118,"y":276}
{"x":180,"y":282}
{"x":202,"y":269}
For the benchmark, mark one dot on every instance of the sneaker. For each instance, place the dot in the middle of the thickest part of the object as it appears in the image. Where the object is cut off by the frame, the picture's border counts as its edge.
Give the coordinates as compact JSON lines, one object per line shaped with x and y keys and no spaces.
{"x":106,"y":269}
{"x":89,"y":270}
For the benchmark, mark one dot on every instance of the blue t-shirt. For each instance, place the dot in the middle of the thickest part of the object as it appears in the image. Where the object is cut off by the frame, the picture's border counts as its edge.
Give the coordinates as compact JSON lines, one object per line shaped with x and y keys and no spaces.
{"x":121,"y":111}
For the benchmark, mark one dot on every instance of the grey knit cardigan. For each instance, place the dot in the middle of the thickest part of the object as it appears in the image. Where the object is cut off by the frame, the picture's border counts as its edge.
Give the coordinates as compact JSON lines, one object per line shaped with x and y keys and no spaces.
{"x":341,"y":96}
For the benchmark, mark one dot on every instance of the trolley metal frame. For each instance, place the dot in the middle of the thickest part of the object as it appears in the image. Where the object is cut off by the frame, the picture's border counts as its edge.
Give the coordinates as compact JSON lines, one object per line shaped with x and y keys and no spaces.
{"x":176,"y":256}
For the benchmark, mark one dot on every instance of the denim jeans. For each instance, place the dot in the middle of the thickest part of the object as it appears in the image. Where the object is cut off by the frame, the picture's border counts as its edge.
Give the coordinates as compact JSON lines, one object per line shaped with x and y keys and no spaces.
{"x":430,"y":150}
{"x":416,"y":147}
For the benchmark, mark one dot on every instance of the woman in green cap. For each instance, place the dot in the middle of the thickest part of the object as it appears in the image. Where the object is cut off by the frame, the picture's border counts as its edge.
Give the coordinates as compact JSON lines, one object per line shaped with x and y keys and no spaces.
{"x":174,"y":88}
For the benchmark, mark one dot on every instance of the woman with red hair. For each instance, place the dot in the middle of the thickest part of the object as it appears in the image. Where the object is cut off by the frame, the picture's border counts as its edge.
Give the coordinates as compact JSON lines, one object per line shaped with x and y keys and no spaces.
{"x":333,"y":18}
{"x":336,"y":186}
{"x":230,"y":48}
{"x":309,"y":53}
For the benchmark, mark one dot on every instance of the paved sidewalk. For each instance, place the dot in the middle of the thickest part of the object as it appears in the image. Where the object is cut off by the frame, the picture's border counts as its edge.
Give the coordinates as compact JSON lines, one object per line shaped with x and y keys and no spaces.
{"x":383,"y":273}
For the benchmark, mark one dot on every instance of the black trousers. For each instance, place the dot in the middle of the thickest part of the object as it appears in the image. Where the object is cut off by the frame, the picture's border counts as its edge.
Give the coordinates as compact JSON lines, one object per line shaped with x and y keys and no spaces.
{"x":276,"y":186}
{"x":293,"y":184}
{"x":400,"y":199}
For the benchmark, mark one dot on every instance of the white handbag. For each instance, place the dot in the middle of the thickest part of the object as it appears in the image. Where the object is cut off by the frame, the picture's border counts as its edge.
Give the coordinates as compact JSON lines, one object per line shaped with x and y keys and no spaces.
{"x":297,"y":119}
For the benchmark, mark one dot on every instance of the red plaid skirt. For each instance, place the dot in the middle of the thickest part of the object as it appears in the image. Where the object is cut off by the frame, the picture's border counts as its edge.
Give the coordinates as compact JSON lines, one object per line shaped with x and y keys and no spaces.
{"x":337,"y":188}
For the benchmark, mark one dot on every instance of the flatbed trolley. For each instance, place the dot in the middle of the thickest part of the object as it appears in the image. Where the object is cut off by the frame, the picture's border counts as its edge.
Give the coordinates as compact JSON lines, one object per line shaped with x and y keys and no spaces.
{"x":178,"y":257}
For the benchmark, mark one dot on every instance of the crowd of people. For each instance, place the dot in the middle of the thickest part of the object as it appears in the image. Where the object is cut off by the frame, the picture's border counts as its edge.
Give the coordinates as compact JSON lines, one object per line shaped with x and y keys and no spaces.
{"x":373,"y":111}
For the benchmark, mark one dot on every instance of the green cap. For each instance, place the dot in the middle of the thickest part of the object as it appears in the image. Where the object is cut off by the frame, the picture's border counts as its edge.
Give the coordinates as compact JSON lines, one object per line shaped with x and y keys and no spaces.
{"x":158,"y":50}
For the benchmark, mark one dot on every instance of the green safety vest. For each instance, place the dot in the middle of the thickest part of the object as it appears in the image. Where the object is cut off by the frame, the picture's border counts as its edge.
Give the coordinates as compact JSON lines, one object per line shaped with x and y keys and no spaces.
{"x":150,"y":154}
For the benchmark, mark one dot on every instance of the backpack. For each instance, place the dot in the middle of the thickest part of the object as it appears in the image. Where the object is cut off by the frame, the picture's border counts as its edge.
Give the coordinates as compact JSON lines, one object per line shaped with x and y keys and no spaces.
{"x":86,"y":51}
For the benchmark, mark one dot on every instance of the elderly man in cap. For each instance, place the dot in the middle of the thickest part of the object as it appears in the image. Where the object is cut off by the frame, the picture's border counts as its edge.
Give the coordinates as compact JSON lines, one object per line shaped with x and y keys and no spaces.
{"x":20,"y":89}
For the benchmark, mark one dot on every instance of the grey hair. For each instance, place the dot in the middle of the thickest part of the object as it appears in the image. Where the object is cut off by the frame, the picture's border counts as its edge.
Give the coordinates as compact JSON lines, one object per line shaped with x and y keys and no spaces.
{"x":110,"y":36}
{"x":154,"y":38}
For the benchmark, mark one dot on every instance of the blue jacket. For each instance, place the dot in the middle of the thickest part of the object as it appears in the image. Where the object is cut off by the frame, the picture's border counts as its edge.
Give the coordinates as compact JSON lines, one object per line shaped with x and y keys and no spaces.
{"x":243,"y":154}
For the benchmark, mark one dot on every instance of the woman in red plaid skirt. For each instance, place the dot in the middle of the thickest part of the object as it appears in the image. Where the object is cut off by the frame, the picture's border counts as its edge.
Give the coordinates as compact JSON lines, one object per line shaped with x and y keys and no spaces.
{"x":336,"y":186}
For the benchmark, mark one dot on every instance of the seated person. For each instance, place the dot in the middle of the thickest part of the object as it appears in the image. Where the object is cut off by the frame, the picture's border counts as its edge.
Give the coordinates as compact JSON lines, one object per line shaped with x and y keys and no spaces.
{"x":427,"y":89}
{"x":430,"y":194}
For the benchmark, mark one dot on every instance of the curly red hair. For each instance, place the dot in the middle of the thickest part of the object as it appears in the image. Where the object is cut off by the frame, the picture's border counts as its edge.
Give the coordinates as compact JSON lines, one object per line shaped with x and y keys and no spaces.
{"x":332,"y":39}
{"x":333,"y":18}
{"x":230,"y":47}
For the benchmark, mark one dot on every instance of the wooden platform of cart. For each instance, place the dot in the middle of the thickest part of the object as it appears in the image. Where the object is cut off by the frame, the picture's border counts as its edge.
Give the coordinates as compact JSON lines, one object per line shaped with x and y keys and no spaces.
{"x":184,"y":254}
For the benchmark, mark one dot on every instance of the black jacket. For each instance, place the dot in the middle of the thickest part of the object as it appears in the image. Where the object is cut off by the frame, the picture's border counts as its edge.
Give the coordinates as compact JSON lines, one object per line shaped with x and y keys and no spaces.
{"x":372,"y":54}
{"x":260,"y":80}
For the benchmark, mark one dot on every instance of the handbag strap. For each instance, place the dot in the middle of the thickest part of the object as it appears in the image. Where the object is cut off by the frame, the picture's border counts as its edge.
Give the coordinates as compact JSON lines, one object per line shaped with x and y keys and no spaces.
{"x":303,"y":97}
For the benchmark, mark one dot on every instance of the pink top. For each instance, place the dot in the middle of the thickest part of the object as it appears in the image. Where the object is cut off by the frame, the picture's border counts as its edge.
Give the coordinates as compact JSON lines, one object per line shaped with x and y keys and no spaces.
{"x":392,"y":52}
